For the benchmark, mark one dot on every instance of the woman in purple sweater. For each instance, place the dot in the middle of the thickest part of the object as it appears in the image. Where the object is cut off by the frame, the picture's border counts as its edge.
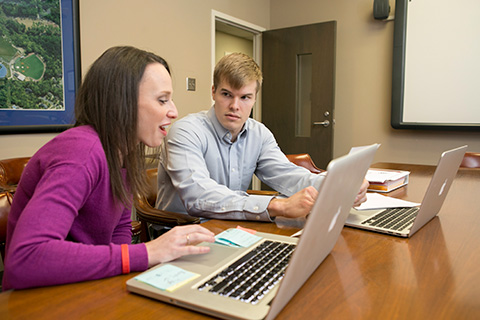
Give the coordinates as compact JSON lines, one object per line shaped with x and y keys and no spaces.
{"x":70,"y":218}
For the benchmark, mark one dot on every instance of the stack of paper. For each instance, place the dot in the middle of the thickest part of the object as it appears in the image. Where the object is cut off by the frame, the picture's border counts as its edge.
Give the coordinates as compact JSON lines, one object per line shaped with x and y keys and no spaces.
{"x":386,"y":180}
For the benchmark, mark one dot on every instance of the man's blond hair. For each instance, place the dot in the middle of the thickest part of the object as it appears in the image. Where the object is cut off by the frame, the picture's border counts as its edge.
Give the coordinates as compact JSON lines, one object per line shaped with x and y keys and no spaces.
{"x":238,"y":70}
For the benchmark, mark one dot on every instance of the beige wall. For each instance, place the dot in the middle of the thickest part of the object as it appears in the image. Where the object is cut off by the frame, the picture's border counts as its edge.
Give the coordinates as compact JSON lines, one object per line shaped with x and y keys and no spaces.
{"x":226,"y":43}
{"x":363,"y":81}
{"x":180,"y":31}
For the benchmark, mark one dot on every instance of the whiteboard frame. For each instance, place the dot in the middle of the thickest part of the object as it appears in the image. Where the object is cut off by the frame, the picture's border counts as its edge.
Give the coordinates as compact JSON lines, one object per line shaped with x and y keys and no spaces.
{"x":398,"y":80}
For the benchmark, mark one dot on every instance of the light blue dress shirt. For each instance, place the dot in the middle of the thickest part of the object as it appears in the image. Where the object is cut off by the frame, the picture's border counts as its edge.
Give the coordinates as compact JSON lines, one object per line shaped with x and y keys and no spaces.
{"x":203,"y":173}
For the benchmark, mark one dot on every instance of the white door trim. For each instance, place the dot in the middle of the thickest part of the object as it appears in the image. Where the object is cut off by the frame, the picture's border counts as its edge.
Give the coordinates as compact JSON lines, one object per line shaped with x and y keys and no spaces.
{"x":257,"y":46}
{"x":257,"y":56}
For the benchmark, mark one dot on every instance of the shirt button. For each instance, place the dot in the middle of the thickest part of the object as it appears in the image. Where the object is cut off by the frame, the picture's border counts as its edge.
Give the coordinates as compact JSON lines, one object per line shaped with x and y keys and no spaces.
{"x":233,"y":169}
{"x":257,"y":217}
{"x":255,"y":208}
{"x":223,"y":208}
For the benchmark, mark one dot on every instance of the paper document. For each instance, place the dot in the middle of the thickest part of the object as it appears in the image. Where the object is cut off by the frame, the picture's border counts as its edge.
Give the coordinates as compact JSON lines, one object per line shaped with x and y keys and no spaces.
{"x":167,"y":277}
{"x":236,"y":238}
{"x":378,"y":201}
{"x":297,"y":234}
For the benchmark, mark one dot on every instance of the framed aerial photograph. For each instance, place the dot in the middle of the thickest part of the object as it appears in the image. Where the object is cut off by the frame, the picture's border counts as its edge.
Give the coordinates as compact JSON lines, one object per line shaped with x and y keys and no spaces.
{"x":39,"y":65}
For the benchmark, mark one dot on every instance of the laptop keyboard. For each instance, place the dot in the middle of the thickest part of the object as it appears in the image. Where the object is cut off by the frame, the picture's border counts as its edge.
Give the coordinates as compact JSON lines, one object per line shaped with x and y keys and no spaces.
{"x":251,"y":277}
{"x":393,"y":218}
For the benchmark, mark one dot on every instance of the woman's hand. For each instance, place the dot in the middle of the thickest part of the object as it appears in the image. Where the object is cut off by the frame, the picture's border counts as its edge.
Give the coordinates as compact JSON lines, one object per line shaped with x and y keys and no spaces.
{"x":179,"y":241}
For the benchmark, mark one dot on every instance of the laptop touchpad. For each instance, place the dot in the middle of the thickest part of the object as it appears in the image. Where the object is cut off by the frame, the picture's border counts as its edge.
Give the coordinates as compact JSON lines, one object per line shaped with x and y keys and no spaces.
{"x":217,"y":255}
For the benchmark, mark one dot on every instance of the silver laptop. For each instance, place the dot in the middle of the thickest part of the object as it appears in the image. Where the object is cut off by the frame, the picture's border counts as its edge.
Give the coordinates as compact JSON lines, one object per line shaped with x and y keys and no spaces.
{"x":266,"y":296}
{"x":404,"y":222}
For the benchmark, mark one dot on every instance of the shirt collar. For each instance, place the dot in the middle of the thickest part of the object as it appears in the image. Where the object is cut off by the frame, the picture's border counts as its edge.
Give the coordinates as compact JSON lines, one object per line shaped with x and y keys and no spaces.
{"x":223,"y":133}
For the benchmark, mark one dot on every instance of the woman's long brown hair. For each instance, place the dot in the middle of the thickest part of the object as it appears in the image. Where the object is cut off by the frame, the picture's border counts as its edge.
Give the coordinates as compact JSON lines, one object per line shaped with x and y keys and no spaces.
{"x":108,"y":101}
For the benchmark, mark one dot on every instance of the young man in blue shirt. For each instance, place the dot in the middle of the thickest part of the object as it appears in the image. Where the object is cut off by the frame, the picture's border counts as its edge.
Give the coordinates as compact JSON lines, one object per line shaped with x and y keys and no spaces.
{"x":209,"y":158}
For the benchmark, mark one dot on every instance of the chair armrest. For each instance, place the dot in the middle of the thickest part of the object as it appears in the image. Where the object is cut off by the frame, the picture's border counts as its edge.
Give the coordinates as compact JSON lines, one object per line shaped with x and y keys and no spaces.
{"x":10,"y":172}
{"x":304,"y":160}
{"x":136,"y":228}
{"x":5,"y":204}
{"x":147,"y":213}
{"x":263,"y":192}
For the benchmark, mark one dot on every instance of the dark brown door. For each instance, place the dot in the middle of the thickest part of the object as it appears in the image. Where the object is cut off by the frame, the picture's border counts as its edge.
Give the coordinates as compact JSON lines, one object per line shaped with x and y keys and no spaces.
{"x":298,"y":66}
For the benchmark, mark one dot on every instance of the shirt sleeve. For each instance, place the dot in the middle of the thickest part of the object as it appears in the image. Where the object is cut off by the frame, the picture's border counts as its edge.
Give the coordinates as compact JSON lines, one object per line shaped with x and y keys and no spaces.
{"x":275,"y":170}
{"x":200,"y":194}
{"x":40,"y":252}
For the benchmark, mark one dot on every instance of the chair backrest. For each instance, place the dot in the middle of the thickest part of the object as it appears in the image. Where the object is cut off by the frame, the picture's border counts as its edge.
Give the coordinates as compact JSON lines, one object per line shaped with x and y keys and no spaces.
{"x":11,"y":171}
{"x":5,"y":204}
{"x":153,"y":188}
{"x":147,"y":212}
{"x":471,"y":160}
{"x":304,"y":160}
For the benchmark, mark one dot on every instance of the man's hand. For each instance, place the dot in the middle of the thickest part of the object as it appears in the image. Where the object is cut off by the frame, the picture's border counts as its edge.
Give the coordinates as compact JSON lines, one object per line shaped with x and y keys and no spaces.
{"x":298,"y":205}
{"x":362,"y":194}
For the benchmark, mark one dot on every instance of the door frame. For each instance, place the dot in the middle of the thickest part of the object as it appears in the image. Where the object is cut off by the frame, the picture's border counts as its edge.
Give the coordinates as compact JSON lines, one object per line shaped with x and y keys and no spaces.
{"x":257,"y":47}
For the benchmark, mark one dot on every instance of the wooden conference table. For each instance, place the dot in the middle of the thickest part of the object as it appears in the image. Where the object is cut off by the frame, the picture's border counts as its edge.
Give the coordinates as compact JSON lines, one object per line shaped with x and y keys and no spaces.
{"x":433,"y":275}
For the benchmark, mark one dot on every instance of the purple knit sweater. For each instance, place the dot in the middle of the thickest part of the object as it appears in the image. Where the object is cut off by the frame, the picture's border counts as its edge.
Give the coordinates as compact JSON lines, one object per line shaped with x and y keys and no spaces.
{"x":64,"y":225}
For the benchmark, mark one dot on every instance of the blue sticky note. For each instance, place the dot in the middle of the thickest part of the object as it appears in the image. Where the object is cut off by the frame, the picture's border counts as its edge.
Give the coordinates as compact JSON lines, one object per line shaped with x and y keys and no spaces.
{"x":236,"y":238}
{"x":167,"y":277}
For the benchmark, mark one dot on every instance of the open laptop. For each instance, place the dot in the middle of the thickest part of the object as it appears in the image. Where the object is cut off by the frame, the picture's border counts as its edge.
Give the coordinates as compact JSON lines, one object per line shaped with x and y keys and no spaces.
{"x":209,"y":294}
{"x":404,"y":222}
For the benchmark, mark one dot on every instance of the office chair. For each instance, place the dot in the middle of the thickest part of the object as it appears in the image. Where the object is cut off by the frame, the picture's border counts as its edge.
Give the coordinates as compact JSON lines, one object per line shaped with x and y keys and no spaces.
{"x":304,"y":160}
{"x":148,"y":213}
{"x":471,"y":160}
{"x":10,"y":173}
{"x":301,"y":160}
{"x":5,"y":203}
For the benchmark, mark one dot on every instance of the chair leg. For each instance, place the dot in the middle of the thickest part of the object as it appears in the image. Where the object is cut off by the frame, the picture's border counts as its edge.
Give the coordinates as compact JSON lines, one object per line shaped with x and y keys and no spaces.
{"x":144,"y":234}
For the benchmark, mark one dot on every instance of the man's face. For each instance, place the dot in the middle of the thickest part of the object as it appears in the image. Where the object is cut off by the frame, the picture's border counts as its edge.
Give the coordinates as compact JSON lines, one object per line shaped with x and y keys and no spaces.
{"x":233,"y":107}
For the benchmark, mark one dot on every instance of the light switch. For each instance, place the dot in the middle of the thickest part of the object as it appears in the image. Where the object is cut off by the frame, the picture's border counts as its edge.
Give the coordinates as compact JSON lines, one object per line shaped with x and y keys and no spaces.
{"x":190,"y":84}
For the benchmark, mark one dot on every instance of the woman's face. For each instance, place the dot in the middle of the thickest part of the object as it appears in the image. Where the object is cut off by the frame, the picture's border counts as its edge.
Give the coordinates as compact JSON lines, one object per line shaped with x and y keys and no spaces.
{"x":155,"y":105}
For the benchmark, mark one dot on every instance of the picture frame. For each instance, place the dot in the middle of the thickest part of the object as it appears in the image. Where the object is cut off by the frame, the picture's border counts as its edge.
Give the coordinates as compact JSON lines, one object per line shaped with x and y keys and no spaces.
{"x":46,"y":113}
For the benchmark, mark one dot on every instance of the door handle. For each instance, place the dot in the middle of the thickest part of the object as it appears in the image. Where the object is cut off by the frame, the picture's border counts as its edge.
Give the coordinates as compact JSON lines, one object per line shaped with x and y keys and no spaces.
{"x":325,"y":123}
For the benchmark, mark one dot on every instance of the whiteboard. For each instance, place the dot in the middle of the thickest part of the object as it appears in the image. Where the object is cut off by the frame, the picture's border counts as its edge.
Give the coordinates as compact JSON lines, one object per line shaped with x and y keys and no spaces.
{"x":436,"y":65}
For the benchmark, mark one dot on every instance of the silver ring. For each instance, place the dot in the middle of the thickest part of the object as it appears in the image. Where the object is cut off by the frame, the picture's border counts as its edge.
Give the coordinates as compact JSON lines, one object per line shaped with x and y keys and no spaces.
{"x":188,"y":239}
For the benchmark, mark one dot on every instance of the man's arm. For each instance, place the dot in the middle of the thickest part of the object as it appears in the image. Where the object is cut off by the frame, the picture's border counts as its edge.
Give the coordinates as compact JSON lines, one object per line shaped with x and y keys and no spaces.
{"x":295,"y":182}
{"x":298,"y":205}
{"x":185,"y":159}
{"x":301,"y":203}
